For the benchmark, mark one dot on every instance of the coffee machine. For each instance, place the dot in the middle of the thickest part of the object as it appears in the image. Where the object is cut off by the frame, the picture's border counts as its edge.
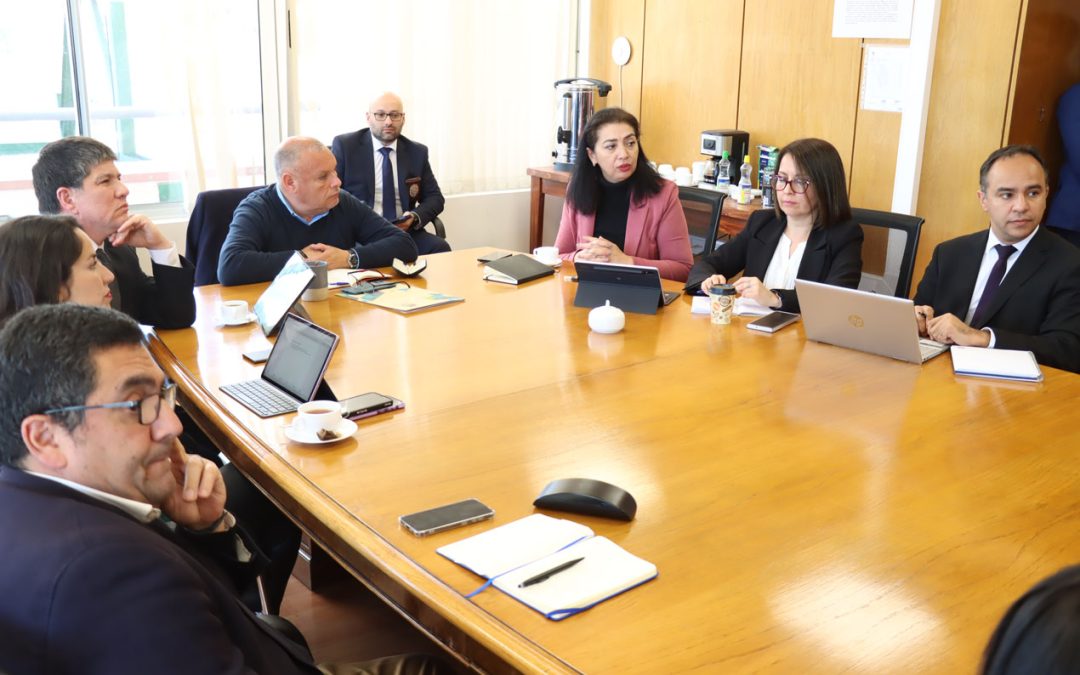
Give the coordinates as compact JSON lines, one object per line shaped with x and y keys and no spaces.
{"x":715,"y":141}
{"x":576,"y":103}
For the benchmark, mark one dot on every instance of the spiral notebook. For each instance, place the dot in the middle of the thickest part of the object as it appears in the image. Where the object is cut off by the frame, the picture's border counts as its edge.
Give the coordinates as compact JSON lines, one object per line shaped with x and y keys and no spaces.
{"x":525,"y":548}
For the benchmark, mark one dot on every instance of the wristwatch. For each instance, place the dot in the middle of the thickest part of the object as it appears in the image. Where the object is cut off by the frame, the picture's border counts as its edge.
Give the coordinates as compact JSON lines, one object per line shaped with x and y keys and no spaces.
{"x":354,"y":259}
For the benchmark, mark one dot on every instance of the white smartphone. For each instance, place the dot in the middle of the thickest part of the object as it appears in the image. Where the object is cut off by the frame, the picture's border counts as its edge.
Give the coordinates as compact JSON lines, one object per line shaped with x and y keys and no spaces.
{"x":423,"y":523}
{"x":770,"y":323}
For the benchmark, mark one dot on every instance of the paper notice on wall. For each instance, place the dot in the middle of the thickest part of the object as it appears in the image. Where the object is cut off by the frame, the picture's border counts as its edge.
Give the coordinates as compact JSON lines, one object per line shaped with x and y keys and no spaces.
{"x":883,"y":76}
{"x":872,"y":18}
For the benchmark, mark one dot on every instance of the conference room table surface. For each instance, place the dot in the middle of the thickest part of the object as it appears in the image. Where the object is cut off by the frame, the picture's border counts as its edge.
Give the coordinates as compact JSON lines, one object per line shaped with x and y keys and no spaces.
{"x":809,"y":508}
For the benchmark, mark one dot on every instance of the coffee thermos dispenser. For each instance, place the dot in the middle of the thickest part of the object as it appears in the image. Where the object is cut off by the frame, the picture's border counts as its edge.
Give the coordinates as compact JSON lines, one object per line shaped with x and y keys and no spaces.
{"x":576,"y":103}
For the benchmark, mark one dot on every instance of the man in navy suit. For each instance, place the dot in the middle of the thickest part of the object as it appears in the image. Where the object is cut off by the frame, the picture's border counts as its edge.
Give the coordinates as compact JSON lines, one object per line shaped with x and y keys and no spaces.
{"x":1015,"y":285}
{"x":367,"y":168}
{"x":93,"y":579}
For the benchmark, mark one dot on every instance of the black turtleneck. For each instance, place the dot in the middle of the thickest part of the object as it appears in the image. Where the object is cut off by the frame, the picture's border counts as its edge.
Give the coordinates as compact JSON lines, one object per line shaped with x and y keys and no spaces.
{"x":611,"y":211}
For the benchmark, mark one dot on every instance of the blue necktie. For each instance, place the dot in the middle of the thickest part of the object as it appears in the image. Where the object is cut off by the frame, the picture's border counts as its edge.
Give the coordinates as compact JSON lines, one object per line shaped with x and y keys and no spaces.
{"x":997,"y":273}
{"x":389,"y":194}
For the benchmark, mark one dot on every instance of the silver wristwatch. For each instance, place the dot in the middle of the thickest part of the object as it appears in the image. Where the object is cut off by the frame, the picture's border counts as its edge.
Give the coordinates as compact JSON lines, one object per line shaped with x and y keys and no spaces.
{"x":354,"y":259}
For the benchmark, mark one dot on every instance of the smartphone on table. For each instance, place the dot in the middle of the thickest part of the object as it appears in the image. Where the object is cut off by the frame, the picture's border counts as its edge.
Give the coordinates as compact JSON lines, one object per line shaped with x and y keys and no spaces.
{"x":365,"y":403}
{"x":770,"y":323}
{"x":423,"y":523}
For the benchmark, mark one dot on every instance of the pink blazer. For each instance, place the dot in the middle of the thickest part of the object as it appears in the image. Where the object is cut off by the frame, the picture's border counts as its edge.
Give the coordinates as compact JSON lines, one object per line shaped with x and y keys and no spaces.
{"x":656,"y":233}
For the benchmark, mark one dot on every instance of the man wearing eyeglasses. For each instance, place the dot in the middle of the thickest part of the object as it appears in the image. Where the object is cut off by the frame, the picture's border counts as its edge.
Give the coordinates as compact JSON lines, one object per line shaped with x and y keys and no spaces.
{"x":94,"y":580}
{"x":393,"y":175}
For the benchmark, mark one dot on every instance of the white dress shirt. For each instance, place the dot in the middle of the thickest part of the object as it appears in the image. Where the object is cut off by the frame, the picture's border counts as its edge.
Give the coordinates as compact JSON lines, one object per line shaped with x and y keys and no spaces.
{"x":990,"y":257}
{"x":376,"y":146}
{"x":784,"y":265}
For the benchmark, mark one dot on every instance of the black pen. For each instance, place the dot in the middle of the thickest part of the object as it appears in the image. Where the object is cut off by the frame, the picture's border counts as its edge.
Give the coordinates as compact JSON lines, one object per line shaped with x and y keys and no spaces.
{"x":544,"y":576}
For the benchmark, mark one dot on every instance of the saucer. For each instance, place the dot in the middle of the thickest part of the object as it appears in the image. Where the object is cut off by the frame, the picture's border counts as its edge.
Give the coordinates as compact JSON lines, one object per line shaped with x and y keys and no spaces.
{"x":553,"y":265}
{"x":346,"y":429}
{"x":222,"y":322}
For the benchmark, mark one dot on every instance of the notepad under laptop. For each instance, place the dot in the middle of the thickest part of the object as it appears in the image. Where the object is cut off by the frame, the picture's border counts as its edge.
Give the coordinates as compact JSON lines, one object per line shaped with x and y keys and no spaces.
{"x":868,"y":322}
{"x":293,"y":371}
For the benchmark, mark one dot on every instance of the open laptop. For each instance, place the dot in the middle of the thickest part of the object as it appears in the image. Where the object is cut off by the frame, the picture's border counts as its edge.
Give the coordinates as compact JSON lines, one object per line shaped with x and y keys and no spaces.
{"x":293,"y":372}
{"x":868,"y":322}
{"x":631,"y":288}
{"x":283,"y":293}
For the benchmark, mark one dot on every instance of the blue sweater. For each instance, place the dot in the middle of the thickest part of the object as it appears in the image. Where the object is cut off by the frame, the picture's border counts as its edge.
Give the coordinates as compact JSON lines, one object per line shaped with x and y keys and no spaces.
{"x":264,"y":234}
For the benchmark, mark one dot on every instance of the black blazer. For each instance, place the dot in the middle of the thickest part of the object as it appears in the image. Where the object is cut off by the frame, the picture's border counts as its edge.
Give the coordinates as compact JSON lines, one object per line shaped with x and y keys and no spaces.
{"x":356,"y":167}
{"x":88,"y":589}
{"x":1037,"y":306}
{"x":833,"y":255}
{"x":164,"y":300}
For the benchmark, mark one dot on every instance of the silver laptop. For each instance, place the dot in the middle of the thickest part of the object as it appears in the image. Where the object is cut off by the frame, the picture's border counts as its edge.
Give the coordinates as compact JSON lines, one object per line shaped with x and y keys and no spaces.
{"x":868,"y":322}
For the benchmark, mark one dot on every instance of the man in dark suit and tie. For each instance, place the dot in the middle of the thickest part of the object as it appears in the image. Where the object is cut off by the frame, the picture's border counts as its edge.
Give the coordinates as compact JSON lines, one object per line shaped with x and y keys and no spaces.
{"x":392,"y":176}
{"x":1015,"y":285}
{"x":94,"y":580}
{"x":77,"y":176}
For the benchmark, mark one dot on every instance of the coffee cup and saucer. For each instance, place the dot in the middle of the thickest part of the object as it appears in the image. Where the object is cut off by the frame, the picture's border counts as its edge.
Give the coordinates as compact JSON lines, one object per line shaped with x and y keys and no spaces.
{"x":548,"y":255}
{"x":318,"y":423}
{"x":235,"y":313}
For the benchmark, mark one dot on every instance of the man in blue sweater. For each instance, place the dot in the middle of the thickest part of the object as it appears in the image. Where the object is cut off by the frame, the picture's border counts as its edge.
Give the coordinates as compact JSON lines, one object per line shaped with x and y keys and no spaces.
{"x":306,"y":210}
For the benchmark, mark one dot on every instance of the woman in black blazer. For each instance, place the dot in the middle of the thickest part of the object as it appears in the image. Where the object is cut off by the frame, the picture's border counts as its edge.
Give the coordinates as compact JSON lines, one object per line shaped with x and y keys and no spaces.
{"x":808,"y":235}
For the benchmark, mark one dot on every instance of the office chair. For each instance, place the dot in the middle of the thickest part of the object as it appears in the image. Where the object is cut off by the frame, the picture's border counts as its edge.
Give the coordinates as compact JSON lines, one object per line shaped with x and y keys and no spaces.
{"x":207,"y":228}
{"x":702,"y":209}
{"x":890,"y":242}
{"x":437,"y":223}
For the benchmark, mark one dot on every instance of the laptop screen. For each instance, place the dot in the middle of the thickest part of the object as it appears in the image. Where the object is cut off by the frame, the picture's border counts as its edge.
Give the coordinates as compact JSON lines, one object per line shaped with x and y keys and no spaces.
{"x":299,"y":358}
{"x":283,"y":291}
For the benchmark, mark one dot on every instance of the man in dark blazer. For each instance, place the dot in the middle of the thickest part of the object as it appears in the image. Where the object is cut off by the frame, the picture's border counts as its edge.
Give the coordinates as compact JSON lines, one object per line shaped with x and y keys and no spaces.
{"x":1015,"y":285}
{"x":77,"y":176}
{"x":362,"y":168}
{"x":94,"y":580}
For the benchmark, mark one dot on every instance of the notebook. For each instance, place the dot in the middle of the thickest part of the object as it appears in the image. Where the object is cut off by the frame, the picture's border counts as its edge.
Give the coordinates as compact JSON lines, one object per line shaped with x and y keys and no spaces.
{"x":868,"y":322}
{"x":631,"y":288}
{"x":1003,"y":364}
{"x":282,"y":293}
{"x":293,"y":371}
{"x":510,"y":554}
{"x":516,"y":269}
{"x":404,"y":299}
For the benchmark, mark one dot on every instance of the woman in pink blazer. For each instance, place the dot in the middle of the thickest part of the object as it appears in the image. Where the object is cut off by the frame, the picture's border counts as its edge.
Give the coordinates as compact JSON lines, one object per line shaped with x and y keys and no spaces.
{"x":618,"y":209}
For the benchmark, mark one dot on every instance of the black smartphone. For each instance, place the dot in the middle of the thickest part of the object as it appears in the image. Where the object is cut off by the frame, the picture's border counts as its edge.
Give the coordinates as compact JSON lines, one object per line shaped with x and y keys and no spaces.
{"x":257,"y":356}
{"x":770,"y":323}
{"x":365,"y":403}
{"x":494,"y":255}
{"x":423,"y":523}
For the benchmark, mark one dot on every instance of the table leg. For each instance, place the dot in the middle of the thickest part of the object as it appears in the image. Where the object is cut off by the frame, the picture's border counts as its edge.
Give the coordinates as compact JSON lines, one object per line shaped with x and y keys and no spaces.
{"x":536,"y":214}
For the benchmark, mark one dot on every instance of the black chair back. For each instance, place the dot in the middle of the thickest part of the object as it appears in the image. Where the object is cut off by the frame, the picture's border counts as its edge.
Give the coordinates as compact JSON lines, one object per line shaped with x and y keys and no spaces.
{"x":702,"y":209}
{"x":207,"y":228}
{"x":890,"y":242}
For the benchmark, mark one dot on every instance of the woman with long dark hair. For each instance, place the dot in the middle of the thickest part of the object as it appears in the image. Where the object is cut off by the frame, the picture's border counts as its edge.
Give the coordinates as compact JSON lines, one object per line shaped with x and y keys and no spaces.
{"x":618,"y":209}
{"x":808,"y":235}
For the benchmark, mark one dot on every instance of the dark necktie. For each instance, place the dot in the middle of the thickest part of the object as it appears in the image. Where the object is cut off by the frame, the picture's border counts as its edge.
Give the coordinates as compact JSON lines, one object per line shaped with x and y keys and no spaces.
{"x":992,"y":282}
{"x":389,"y":194}
{"x":114,"y":287}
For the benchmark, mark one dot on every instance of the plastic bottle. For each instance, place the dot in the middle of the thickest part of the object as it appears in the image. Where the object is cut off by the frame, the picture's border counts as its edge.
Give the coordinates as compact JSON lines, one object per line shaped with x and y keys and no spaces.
{"x":767,"y":201}
{"x":723,"y":171}
{"x":745,"y":186}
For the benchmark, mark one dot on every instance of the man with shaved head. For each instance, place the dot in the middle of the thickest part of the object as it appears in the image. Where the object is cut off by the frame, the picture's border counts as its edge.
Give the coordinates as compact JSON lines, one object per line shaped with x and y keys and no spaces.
{"x":391,"y":174}
{"x":306,"y":210}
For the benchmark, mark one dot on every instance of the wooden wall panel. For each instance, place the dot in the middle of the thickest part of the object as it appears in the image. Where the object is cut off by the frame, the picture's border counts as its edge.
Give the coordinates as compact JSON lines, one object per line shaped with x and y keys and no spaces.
{"x":691,"y":75}
{"x":797,"y":80}
{"x":608,"y":20}
{"x":968,"y":100}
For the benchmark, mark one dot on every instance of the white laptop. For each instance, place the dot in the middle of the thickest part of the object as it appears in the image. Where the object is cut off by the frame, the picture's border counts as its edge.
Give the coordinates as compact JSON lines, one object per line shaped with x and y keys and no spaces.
{"x":868,"y":322}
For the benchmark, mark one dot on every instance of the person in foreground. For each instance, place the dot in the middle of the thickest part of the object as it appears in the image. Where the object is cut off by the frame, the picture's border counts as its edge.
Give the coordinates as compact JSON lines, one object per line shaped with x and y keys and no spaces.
{"x":306,"y":210}
{"x":1040,"y":633}
{"x":808,"y":235}
{"x":95,"y":580}
{"x":77,"y":176}
{"x":393,"y":176}
{"x":1015,"y":285}
{"x":618,"y":209}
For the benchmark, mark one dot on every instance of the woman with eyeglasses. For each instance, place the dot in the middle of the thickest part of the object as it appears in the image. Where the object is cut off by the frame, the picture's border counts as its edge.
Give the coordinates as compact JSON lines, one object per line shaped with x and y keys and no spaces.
{"x":49,"y":259}
{"x":808,"y":235}
{"x":618,"y":209}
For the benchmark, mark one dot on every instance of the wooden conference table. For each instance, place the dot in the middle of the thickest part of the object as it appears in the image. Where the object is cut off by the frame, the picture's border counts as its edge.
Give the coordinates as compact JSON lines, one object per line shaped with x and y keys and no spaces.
{"x":810,"y":508}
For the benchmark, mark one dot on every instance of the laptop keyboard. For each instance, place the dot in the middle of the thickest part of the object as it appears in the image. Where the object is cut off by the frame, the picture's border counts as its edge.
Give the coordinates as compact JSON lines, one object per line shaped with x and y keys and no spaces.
{"x":929,"y":348}
{"x":263,"y":399}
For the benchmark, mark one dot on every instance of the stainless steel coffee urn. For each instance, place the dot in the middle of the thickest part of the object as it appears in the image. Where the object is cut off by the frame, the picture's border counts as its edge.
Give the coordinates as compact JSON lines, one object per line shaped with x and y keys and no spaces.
{"x":576,"y":103}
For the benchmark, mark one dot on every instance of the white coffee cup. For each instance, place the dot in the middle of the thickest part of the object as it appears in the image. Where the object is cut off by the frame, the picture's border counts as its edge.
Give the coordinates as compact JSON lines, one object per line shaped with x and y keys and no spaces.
{"x":315,"y":416}
{"x":683,"y":176}
{"x":549,"y":255}
{"x":234,"y":312}
{"x":667,"y":171}
{"x":698,"y":171}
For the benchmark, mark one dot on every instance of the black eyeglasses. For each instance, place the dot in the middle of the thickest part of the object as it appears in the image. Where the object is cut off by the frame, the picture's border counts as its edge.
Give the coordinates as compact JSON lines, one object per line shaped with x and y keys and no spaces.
{"x":799,"y":185}
{"x":149,"y":407}
{"x":381,"y":116}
